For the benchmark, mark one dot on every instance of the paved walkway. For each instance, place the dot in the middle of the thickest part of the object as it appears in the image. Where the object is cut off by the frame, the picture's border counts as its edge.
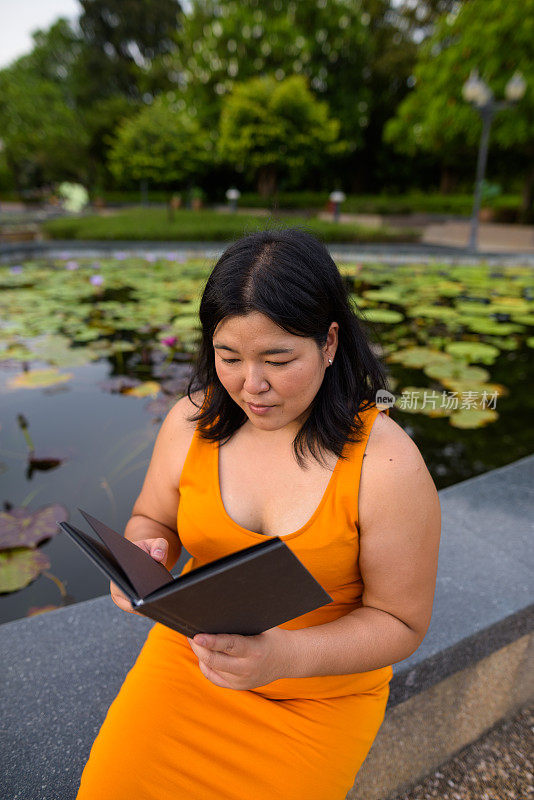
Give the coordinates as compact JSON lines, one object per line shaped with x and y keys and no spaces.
{"x":498,"y":766}
{"x":445,"y":231}
{"x":493,"y":237}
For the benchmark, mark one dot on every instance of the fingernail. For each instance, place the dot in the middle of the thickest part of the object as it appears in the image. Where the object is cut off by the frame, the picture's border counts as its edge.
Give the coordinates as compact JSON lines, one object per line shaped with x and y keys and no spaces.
{"x":158,"y":553}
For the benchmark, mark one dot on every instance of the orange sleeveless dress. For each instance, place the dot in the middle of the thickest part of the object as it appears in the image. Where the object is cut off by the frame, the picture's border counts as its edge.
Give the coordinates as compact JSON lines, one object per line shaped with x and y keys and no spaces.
{"x":170,"y":733}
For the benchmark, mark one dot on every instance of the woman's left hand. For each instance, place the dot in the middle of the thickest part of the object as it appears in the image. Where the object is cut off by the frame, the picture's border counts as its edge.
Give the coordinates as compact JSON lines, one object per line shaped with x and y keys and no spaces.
{"x":243,"y":662}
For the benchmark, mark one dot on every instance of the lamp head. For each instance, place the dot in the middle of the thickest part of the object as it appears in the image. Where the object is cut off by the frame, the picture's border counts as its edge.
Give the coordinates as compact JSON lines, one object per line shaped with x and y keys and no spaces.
{"x":475,"y":90}
{"x":515,"y":88}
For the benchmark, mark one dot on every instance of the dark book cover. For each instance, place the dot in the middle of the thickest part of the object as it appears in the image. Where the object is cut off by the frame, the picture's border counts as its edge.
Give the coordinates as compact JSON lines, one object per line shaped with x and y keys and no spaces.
{"x":246,"y":592}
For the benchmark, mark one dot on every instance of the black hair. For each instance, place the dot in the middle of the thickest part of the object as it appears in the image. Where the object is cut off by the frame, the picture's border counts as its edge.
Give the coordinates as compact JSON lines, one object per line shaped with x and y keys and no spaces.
{"x":289,"y":276}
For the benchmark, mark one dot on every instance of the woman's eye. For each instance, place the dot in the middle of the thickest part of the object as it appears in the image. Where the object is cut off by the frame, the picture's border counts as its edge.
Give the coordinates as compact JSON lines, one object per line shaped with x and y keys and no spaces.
{"x":274,"y":363}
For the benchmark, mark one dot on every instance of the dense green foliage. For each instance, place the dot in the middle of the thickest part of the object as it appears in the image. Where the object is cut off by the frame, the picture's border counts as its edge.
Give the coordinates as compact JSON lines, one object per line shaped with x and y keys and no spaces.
{"x":163,"y":144}
{"x":494,"y":37}
{"x":268,"y":95}
{"x":269,"y":126}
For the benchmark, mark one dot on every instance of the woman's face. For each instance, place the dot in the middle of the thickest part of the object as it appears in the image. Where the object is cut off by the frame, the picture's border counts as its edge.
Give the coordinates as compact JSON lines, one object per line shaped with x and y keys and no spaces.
{"x":286,"y":381}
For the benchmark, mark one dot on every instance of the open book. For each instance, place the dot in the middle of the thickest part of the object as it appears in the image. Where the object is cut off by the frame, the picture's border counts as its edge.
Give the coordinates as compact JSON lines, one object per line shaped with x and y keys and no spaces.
{"x":246,"y":592}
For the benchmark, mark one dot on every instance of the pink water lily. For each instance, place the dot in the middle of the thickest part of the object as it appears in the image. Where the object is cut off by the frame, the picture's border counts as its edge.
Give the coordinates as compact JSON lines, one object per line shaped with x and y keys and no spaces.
{"x":170,"y":341}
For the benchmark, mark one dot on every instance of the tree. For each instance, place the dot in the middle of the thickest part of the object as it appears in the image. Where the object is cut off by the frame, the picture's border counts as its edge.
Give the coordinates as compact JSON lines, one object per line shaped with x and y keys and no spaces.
{"x":495,"y":37}
{"x":163,"y":144}
{"x":121,"y":40}
{"x":43,"y":135}
{"x":269,"y":126}
{"x":356,"y":56}
{"x":223,"y":42}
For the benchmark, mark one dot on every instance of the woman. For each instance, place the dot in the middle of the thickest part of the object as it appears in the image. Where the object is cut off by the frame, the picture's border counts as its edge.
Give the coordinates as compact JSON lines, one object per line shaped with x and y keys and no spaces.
{"x":279,"y":435}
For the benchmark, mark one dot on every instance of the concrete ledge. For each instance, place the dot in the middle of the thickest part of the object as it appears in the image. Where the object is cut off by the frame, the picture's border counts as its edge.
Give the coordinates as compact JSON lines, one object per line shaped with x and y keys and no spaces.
{"x":62,"y":670}
{"x":430,"y":728}
{"x":391,"y":253}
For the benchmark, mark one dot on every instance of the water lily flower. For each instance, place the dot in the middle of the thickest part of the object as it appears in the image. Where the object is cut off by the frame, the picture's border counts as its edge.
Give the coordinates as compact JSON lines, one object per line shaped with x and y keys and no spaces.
{"x":16,"y":270}
{"x":150,"y":257}
{"x":170,"y":341}
{"x":72,"y":265}
{"x":97,"y":280}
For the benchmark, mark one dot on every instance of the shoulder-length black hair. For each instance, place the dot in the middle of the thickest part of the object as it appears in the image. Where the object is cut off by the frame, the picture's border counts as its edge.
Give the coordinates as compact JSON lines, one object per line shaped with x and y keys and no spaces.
{"x":289,"y":276}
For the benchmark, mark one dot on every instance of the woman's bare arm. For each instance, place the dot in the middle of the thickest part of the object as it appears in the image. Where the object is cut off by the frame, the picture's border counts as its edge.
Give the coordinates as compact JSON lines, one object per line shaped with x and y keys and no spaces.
{"x":155,"y":511}
{"x":400,"y":527}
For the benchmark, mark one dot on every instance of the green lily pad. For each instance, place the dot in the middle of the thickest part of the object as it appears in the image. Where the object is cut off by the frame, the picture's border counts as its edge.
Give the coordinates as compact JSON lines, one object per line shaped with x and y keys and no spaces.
{"x":146,"y":389}
{"x":16,"y":352}
{"x":490,"y":326}
{"x":473,"y":351}
{"x":101,"y":348}
{"x":473,"y":417}
{"x":385,"y":295}
{"x":456,"y":370}
{"x":471,"y":389}
{"x":86,"y":334}
{"x":186,"y":322}
{"x":381,"y":315}
{"x":510,"y":305}
{"x":469,"y":309}
{"x":523,"y":319}
{"x":38,"y":378}
{"x":120,"y":346}
{"x":56,"y":349}
{"x":358,"y":302}
{"x":503,"y":343}
{"x":443,"y":313}
{"x":22,"y":528}
{"x":418,"y":357}
{"x":530,"y":341}
{"x":19,"y":567}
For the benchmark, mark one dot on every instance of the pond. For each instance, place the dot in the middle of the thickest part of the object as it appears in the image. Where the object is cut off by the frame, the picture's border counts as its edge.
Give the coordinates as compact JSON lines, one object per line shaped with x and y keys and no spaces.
{"x":93,"y":353}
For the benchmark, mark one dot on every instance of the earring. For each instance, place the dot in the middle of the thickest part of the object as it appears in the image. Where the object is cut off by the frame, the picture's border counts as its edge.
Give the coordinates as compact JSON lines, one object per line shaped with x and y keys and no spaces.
{"x":329,"y":360}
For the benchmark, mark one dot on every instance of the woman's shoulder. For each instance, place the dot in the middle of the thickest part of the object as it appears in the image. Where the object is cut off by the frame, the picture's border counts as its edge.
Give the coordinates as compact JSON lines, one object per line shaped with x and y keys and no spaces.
{"x":388,"y":444}
{"x":178,"y":428}
{"x":393,"y":473}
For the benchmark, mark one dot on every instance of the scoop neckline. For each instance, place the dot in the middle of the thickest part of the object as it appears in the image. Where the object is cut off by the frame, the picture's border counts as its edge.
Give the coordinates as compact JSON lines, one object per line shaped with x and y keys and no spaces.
{"x":257,"y":535}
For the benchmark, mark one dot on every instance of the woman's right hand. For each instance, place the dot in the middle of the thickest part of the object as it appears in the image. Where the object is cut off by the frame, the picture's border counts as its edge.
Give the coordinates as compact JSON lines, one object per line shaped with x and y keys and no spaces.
{"x":158,"y":550}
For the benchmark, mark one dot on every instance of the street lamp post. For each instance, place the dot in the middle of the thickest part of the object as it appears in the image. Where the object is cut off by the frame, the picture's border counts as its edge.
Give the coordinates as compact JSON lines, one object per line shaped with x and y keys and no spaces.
{"x":479,"y":94}
{"x":233,"y":195}
{"x":336,"y":198}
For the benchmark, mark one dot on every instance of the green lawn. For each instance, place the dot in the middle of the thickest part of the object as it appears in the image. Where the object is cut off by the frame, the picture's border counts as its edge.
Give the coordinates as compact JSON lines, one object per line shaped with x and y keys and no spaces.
{"x":153,"y":224}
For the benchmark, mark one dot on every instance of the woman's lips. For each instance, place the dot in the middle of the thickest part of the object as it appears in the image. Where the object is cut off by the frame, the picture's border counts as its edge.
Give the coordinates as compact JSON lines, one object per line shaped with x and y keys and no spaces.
{"x":259,"y":409}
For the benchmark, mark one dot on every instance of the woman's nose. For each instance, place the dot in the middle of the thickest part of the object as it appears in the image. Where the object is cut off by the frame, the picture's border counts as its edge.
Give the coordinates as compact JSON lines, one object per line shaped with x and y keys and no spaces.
{"x":255,"y":380}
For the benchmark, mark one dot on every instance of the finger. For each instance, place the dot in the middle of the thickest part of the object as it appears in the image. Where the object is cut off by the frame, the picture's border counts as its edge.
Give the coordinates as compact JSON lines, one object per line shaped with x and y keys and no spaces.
{"x":214,"y":677}
{"x":231,"y":644}
{"x":158,"y":549}
{"x":122,"y":603}
{"x":219,"y":662}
